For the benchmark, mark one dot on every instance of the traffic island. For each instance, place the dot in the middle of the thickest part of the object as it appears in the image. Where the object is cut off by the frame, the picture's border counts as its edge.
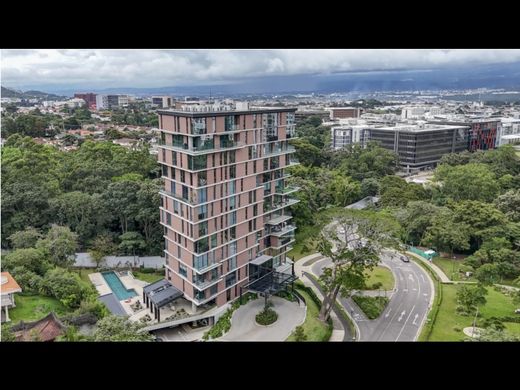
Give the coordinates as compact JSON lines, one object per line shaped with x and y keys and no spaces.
{"x":266,"y":317}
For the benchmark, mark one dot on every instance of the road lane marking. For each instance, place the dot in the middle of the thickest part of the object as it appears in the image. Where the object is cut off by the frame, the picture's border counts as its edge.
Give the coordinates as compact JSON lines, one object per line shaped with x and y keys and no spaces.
{"x":404,"y":324}
{"x":415,"y":319}
{"x":422,"y":277}
{"x":387,"y":314}
{"x":410,"y":276}
{"x":401,"y":316}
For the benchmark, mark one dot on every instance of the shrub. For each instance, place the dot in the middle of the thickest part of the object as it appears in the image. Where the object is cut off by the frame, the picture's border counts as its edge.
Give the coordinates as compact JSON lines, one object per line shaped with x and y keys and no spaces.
{"x":148,"y":270}
{"x":377,"y":286}
{"x":494,"y":323}
{"x":29,"y":281}
{"x":266,"y":316}
{"x":299,"y":334}
{"x":65,"y":286}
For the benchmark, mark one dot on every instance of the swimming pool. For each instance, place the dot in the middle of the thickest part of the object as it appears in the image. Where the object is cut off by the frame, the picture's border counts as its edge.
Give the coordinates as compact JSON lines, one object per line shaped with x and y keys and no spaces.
{"x":117,"y":286}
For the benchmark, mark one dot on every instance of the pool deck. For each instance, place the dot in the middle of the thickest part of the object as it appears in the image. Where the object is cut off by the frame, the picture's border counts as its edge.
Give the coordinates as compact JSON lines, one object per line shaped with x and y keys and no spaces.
{"x":128,"y":281}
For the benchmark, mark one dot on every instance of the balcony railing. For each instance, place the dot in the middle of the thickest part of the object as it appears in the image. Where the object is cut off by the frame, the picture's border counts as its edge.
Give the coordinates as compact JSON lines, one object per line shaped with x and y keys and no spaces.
{"x":278,"y":231}
{"x":278,"y":190}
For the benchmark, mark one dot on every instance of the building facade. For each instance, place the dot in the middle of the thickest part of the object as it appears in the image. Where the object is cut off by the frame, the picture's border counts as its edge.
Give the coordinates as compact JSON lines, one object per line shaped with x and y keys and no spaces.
{"x":345,"y":112}
{"x":90,"y":99}
{"x":224,"y":206}
{"x":162,"y":101}
{"x":344,"y":135}
{"x":421,"y":146}
{"x":104,"y":102}
{"x":482,"y":132}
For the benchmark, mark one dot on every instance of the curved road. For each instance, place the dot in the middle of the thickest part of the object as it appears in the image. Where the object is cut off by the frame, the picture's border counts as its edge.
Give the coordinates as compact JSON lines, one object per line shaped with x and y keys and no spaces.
{"x":409,"y":303}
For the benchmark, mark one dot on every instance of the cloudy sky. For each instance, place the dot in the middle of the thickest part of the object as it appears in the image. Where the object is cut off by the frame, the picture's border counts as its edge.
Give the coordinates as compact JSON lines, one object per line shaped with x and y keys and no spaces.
{"x":92,"y":68}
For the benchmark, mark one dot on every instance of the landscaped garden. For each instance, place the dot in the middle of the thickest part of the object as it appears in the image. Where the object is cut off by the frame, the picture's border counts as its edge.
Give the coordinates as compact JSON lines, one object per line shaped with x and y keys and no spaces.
{"x":149,"y":277}
{"x":449,"y":324}
{"x":371,"y":306}
{"x":380,"y":278}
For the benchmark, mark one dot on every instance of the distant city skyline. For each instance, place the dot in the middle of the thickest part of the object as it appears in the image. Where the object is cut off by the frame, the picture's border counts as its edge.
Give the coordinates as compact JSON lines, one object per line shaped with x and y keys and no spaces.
{"x":242,"y":70}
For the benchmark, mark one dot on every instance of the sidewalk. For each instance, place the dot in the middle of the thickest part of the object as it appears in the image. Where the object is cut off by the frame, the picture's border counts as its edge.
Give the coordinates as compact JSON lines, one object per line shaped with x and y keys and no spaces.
{"x":338,"y":332}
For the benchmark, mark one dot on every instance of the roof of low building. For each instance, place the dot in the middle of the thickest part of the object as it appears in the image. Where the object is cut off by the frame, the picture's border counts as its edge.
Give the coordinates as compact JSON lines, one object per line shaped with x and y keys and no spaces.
{"x":9,"y":285}
{"x":45,"y":329}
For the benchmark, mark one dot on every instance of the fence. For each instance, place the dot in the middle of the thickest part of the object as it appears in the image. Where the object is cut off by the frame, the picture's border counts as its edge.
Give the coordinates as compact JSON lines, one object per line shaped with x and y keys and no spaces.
{"x":422,"y":253}
{"x":84,"y":260}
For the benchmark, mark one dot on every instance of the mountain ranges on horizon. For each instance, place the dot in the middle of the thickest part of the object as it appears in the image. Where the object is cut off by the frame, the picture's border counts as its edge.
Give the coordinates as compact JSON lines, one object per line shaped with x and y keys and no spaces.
{"x":505,"y":76}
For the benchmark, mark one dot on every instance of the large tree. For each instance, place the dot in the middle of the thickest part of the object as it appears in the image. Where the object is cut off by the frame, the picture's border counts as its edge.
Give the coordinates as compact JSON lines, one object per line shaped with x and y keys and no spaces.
{"x":25,"y":238}
{"x":352,"y":252}
{"x":446,"y":234}
{"x":468,"y":182}
{"x":60,"y":243}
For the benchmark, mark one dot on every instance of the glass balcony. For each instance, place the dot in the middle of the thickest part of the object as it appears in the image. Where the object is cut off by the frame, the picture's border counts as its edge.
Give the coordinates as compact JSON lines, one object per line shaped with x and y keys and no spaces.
{"x":280,"y":190}
{"x":278,"y":231}
{"x":204,"y":145}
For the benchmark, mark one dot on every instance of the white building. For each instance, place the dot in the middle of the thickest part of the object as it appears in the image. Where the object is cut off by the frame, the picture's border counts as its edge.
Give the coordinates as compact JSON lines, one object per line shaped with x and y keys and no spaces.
{"x":508,"y":131}
{"x":104,"y":102}
{"x":162,"y":101}
{"x":345,"y":134}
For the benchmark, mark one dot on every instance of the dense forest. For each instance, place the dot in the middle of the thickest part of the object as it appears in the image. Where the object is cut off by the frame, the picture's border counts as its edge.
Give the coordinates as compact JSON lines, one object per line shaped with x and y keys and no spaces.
{"x":99,"y":190}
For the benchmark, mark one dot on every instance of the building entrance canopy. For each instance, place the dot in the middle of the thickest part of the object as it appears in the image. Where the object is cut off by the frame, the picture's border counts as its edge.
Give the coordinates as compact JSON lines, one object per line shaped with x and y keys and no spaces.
{"x":271,"y":283}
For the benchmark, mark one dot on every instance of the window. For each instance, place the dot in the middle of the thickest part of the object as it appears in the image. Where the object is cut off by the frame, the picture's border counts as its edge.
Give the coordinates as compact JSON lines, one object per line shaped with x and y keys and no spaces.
{"x":233,"y":218}
{"x":213,"y":289}
{"x":231,"y":279}
{"x":200,"y":262}
{"x":183,"y":270}
{"x":201,"y":245}
{"x":172,"y":187}
{"x":176,"y":207}
{"x":214,"y":240}
{"x":203,"y":228}
{"x":185,"y":193}
{"x":203,"y":212}
{"x":202,"y":195}
{"x":233,"y":262}
{"x":164,"y":169}
{"x":183,"y":177}
{"x":232,"y":203}
{"x":168,"y":219}
{"x":232,"y":172}
{"x":233,"y":250}
{"x":174,"y":158}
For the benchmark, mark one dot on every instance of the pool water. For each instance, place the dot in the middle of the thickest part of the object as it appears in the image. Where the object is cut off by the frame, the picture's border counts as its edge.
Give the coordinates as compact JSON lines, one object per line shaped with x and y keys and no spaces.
{"x":117,"y":286}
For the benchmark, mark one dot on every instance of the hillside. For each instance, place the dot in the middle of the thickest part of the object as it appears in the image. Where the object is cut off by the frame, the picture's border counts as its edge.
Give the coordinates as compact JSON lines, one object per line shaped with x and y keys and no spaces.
{"x":11,"y":93}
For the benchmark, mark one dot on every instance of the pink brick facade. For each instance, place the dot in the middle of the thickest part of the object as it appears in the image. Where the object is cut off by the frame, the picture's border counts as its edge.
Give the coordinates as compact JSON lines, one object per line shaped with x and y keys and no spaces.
{"x":224,"y":183}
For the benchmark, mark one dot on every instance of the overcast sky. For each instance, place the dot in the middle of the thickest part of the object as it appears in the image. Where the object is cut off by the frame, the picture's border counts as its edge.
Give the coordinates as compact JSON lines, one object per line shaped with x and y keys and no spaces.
{"x":160,"y":68}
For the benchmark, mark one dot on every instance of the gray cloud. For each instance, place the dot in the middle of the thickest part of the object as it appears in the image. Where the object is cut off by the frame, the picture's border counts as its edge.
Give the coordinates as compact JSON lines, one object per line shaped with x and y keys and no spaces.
{"x":156,"y":68}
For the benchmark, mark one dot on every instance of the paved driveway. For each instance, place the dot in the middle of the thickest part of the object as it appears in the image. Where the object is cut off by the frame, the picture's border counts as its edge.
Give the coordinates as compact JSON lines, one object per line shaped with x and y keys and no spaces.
{"x":245,"y":328}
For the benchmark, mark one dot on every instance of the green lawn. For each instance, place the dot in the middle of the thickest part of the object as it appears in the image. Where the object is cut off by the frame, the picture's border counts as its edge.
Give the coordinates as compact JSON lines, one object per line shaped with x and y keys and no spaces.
{"x":382,"y":275}
{"x":313,"y":327}
{"x":150,"y":278}
{"x":84,"y":273}
{"x":448,"y":325}
{"x":452,"y":267}
{"x":34,"y":307}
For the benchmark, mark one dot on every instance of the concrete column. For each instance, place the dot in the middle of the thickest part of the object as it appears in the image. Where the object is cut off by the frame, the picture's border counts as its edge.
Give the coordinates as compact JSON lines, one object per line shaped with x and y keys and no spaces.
{"x":193,"y":307}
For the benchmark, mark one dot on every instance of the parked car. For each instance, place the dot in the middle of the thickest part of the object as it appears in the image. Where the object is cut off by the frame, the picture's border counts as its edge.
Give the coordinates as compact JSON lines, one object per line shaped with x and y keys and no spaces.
{"x":405,"y":259}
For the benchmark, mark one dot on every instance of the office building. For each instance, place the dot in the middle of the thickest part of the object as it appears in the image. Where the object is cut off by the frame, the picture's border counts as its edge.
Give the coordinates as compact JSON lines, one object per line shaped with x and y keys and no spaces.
{"x":104,"y":102}
{"x":162,"y":101}
{"x":421,"y":146}
{"x":344,"y":135}
{"x":224,"y":206}
{"x":345,"y":112}
{"x":482,"y":133}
